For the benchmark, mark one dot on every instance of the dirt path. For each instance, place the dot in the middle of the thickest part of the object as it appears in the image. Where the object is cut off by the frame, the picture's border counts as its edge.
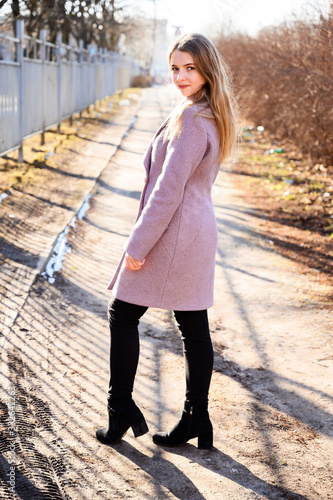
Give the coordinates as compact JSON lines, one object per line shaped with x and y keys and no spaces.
{"x":271,"y":394}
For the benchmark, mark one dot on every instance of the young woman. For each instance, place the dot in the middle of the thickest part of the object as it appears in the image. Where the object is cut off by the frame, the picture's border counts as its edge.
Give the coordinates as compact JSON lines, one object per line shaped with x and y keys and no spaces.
{"x":169,"y":257}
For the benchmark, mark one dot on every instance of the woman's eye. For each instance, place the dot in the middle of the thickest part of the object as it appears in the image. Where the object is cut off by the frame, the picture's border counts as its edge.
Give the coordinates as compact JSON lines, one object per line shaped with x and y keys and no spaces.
{"x":191,"y":67}
{"x":174,"y":69}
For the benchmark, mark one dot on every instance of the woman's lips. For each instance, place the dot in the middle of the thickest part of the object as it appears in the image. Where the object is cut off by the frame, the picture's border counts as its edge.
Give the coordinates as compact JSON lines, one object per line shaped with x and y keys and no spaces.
{"x":183,"y":86}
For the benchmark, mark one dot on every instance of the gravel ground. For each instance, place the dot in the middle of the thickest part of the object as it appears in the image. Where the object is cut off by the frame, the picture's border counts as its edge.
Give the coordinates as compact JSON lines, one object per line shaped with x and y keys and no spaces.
{"x":271,"y":393}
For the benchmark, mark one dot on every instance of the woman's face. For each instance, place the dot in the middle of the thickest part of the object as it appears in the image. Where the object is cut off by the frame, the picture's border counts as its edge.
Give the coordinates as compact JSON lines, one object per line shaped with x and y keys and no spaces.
{"x":184,"y":73}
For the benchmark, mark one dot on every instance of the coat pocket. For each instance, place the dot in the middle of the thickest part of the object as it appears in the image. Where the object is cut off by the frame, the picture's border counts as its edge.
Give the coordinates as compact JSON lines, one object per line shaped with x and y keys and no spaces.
{"x":182,"y":233}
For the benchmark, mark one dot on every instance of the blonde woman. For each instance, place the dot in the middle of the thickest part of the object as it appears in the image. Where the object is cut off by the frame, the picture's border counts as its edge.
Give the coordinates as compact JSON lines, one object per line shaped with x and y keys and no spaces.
{"x":169,"y":257}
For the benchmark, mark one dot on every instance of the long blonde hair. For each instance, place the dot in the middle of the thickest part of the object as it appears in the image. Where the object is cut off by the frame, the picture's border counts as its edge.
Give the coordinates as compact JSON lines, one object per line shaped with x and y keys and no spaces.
{"x":216,"y":95}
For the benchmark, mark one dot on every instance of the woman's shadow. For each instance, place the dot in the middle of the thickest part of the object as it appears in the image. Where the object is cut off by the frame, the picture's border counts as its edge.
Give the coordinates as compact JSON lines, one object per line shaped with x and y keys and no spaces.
{"x":164,"y":475}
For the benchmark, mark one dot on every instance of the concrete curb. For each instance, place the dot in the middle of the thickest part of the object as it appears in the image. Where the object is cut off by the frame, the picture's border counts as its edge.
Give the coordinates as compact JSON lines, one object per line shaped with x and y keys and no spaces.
{"x":42,"y":265}
{"x":43,"y":260}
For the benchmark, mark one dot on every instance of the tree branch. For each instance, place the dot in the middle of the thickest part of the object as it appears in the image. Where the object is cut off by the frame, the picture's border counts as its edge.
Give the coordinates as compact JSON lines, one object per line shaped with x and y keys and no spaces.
{"x":2,"y":3}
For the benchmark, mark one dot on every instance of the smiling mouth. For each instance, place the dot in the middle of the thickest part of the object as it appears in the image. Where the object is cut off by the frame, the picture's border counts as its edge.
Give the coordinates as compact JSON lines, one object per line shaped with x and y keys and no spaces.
{"x":183,"y":86}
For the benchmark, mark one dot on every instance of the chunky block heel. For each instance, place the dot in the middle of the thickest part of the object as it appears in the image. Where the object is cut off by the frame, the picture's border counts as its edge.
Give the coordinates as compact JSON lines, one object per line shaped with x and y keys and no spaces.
{"x":120,"y":420}
{"x":194,"y":423}
{"x":205,"y":441}
{"x":140,"y":428}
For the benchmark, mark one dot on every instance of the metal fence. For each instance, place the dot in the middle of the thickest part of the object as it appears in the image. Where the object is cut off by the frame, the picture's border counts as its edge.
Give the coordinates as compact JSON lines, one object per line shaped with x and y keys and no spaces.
{"x":42,"y":83}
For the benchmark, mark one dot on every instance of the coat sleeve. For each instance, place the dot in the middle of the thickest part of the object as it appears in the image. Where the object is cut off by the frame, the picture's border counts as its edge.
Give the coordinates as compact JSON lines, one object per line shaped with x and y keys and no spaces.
{"x":183,"y":155}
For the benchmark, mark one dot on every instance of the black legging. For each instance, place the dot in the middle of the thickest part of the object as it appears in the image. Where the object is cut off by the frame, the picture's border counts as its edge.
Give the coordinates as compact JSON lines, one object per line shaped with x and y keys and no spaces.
{"x":124,"y":351}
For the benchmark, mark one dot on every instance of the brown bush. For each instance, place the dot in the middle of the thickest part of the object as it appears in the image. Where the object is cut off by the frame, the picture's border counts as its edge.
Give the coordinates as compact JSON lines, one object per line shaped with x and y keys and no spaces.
{"x":141,"y":81}
{"x":284,"y":82}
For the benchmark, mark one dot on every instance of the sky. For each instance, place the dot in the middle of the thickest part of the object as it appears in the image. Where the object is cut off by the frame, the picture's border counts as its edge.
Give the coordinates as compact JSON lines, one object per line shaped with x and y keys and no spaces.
{"x":207,"y":16}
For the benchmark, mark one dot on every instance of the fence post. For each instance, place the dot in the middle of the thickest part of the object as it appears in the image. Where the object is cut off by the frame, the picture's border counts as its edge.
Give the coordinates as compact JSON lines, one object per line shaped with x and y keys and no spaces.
{"x":81,"y":61}
{"x":114,"y":71}
{"x":71,"y":68}
{"x":42,"y":36}
{"x":95,"y":74}
{"x":105,"y":72}
{"x":59,"y":57}
{"x":100,"y":71}
{"x":89,"y":76}
{"x":20,"y":60}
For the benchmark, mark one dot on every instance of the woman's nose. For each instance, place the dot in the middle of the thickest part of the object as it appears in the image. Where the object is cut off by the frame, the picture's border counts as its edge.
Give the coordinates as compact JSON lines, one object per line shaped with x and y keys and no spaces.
{"x":181,"y":76}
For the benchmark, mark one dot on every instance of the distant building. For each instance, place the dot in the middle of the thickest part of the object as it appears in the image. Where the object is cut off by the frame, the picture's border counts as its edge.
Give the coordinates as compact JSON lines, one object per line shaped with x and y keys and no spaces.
{"x":148,"y":44}
{"x":159,"y":67}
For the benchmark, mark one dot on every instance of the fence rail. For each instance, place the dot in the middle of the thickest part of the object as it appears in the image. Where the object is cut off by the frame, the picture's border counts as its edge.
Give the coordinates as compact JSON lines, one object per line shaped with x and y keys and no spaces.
{"x":42,"y":83}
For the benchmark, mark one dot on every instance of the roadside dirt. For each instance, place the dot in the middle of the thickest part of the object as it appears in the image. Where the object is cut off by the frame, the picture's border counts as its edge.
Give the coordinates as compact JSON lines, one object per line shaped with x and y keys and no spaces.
{"x":271,"y":393}
{"x":293,"y":197}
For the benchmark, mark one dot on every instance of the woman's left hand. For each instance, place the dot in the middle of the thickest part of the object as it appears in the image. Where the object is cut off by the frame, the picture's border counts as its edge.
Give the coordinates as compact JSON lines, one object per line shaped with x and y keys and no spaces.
{"x":133,"y":264}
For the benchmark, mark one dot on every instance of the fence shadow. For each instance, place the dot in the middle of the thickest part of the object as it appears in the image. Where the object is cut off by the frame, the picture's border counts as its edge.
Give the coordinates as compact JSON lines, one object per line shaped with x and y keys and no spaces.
{"x":64,"y":414}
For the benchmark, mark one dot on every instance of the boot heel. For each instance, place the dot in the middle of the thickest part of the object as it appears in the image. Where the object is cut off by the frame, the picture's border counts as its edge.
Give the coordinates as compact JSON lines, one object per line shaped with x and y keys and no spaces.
{"x":140,"y":428}
{"x":205,"y":441}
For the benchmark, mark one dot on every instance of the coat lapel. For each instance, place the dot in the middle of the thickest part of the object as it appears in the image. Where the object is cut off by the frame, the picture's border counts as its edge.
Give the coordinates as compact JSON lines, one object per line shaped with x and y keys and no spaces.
{"x":147,"y":155}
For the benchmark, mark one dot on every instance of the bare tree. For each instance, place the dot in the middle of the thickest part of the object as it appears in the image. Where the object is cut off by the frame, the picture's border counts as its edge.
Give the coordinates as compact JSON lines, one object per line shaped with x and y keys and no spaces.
{"x":99,"y":21}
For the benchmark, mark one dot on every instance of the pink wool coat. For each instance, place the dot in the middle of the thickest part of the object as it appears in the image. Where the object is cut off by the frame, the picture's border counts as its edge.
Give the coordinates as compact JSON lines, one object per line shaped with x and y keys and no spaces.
{"x":175,"y":230}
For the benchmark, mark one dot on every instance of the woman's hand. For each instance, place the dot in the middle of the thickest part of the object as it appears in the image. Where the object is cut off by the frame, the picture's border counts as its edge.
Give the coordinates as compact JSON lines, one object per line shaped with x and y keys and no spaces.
{"x":133,"y":264}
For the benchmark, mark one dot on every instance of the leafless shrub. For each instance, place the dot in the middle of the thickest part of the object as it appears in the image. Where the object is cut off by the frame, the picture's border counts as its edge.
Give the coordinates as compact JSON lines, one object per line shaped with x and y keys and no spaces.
{"x":284,"y":80}
{"x":141,"y":81}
